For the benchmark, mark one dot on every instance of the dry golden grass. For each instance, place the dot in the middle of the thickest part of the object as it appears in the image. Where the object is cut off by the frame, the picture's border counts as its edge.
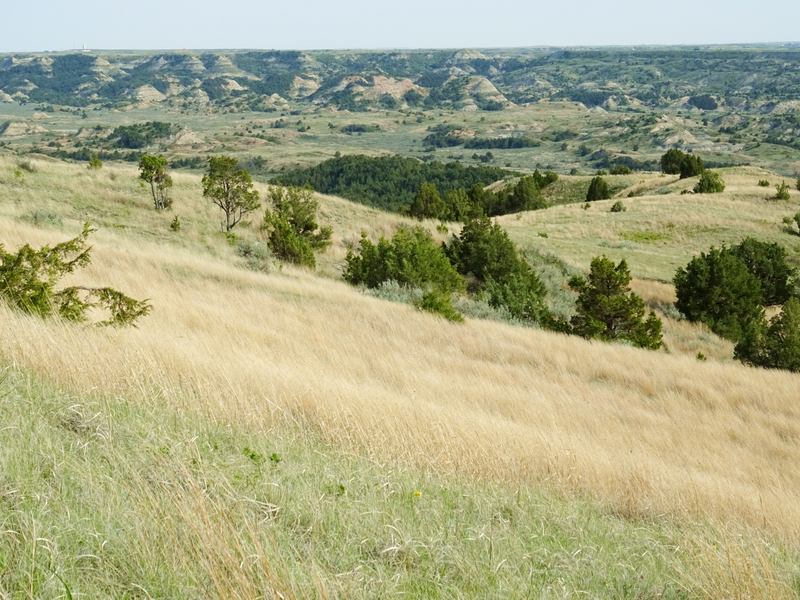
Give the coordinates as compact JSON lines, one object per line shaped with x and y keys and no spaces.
{"x":647,"y":433}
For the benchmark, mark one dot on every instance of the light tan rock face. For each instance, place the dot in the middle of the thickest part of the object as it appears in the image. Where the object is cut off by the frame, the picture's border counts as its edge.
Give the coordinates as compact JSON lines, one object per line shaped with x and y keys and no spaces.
{"x":20,"y":129}
{"x":148,"y":94}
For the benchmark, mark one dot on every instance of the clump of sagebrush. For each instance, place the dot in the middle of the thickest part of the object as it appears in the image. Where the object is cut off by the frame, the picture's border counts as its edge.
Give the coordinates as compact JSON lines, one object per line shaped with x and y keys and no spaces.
{"x":28,"y":279}
{"x":618,"y":206}
{"x":257,"y":257}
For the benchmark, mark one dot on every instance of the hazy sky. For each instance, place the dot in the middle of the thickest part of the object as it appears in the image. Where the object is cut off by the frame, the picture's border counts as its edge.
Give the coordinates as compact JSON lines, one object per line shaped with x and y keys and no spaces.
{"x":311,"y":24}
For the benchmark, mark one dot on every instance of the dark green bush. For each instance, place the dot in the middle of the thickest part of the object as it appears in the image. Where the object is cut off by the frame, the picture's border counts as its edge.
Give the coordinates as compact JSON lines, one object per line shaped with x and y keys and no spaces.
{"x":483,"y":251}
{"x":767,"y":262}
{"x":440,"y":304}
{"x":709,"y":183}
{"x":292,"y":227}
{"x":763,"y":183}
{"x":621,"y":170}
{"x":775,"y":345}
{"x":598,"y":190}
{"x":618,"y":206}
{"x":675,"y":162}
{"x":716,"y":288}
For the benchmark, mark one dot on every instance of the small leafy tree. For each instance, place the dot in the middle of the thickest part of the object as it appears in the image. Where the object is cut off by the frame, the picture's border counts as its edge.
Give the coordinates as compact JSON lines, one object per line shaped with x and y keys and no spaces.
{"x":618,"y":206}
{"x":29,"y":277}
{"x":95,"y":163}
{"x":716,"y":288}
{"x":427,"y":203}
{"x":709,"y":183}
{"x":598,"y":190}
{"x":781,"y":191}
{"x":230,"y":188}
{"x":292,"y":225}
{"x":152,"y":169}
{"x":775,"y":345}
{"x":607,"y":310}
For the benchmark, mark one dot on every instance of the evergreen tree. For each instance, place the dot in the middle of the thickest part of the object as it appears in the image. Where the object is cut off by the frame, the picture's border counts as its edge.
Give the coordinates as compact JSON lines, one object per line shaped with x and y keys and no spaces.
{"x":427,"y":203}
{"x":598,"y":190}
{"x":527,"y":195}
{"x":774,"y":346}
{"x":716,"y":288}
{"x":607,"y":310}
{"x":29,"y":277}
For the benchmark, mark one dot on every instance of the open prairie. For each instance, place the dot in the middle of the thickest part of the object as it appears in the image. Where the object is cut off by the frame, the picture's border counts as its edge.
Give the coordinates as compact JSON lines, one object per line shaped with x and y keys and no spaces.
{"x":658,"y":439}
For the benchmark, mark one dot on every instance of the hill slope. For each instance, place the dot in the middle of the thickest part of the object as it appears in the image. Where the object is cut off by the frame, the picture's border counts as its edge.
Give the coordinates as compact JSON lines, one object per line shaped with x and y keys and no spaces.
{"x":646,"y":435}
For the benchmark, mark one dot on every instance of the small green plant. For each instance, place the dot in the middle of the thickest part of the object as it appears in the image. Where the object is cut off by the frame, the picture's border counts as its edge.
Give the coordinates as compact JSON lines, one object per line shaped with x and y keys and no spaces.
{"x":763,"y":183}
{"x":797,"y":183}
{"x":797,"y":219}
{"x":618,"y":206}
{"x":542,"y":234}
{"x":442,"y":228}
{"x":275,"y":459}
{"x":440,"y":304}
{"x":586,"y":206}
{"x":176,"y":224}
{"x":781,"y":191}
{"x":95,"y":163}
{"x":256,"y":457}
{"x":701,"y":357}
{"x":18,"y":173}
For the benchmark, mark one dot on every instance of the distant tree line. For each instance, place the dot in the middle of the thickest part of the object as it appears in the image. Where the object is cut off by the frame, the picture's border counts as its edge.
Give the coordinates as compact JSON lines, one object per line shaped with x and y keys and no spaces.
{"x":389,"y":182}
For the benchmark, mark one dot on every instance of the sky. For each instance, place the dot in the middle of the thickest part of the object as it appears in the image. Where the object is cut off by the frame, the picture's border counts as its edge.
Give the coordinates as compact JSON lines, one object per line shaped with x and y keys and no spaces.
{"x":54,"y":25}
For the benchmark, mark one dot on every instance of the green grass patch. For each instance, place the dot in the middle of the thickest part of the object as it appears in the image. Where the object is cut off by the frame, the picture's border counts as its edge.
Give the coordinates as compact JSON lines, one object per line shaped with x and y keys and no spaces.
{"x":645,"y":237}
{"x":102,"y":498}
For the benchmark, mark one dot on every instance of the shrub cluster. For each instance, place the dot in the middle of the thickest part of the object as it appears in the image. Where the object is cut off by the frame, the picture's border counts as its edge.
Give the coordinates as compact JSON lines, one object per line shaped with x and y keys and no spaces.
{"x":675,"y":162}
{"x":727,"y":290}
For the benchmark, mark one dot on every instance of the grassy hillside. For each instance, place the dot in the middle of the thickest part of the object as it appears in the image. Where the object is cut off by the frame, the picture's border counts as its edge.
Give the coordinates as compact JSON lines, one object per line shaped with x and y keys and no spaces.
{"x":549,"y":461}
